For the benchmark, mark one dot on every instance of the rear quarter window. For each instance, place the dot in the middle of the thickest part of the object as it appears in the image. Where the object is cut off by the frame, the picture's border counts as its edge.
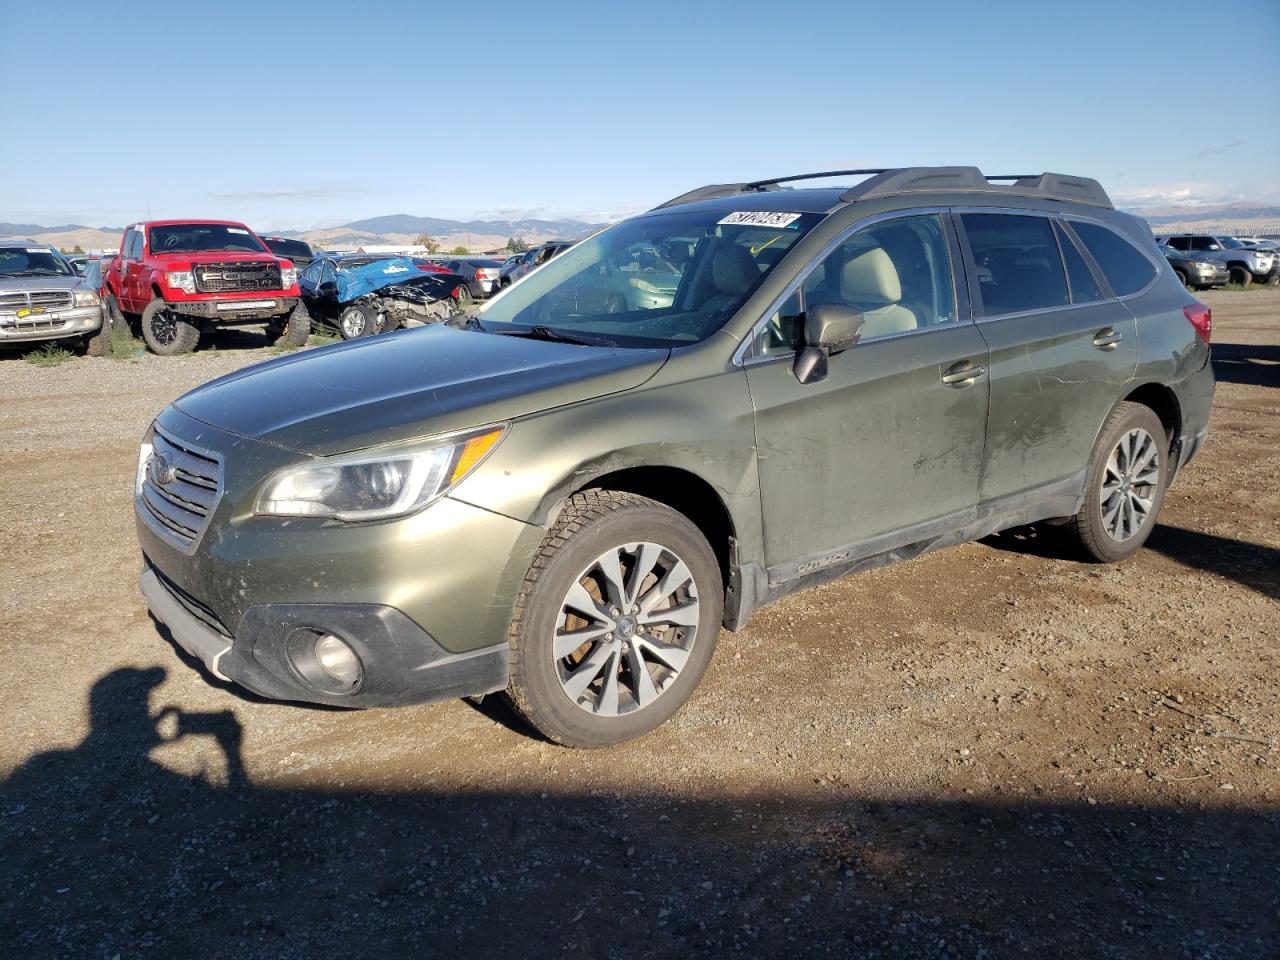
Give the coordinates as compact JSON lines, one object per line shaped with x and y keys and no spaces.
{"x":1124,"y":266}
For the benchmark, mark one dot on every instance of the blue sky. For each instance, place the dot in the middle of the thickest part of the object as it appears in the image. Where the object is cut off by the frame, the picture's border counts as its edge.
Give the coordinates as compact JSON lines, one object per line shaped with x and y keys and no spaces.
{"x":291,"y":114}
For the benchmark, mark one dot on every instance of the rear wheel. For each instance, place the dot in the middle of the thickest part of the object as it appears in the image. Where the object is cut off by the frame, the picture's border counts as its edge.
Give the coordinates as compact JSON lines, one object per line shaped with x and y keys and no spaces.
{"x":616,"y":621}
{"x":465,"y":299}
{"x":168,"y":333}
{"x":355,"y":322}
{"x":1127,"y":474}
{"x":1241,"y":277}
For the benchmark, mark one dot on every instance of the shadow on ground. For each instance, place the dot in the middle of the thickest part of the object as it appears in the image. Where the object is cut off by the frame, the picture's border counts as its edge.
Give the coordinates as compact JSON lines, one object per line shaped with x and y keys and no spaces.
{"x":1252,"y":364}
{"x":1251,"y":565}
{"x":104,"y":852}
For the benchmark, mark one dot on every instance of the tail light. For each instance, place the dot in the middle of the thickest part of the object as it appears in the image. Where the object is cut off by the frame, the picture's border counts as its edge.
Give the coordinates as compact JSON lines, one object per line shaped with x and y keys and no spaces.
{"x":482,"y":275}
{"x":1200,"y":317}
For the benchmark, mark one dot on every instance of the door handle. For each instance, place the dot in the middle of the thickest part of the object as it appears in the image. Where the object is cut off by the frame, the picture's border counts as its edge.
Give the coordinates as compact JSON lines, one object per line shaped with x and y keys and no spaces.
{"x":963,"y":374}
{"x":1107,"y":339}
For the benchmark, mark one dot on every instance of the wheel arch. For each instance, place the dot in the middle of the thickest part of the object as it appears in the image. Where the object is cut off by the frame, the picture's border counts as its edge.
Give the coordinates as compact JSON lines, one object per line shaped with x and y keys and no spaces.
{"x":683,"y":491}
{"x":1164,"y":403}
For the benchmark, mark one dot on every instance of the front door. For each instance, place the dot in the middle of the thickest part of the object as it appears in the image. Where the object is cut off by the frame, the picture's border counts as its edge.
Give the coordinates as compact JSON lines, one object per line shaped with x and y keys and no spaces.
{"x":887,"y":449}
{"x":1061,"y":353}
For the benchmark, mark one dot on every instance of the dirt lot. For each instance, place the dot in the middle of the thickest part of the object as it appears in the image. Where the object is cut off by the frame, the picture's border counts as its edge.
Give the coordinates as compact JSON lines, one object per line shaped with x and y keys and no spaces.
{"x":991,"y":751}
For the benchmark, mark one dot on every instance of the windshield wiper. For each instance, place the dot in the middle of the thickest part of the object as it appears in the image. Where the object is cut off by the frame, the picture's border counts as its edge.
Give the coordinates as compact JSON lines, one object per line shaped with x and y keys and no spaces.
{"x":541,"y":332}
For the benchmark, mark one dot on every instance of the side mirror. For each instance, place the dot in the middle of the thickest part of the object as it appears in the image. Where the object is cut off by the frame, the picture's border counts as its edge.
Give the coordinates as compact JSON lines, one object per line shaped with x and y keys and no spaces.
{"x":828,"y":328}
{"x":1214,"y":246}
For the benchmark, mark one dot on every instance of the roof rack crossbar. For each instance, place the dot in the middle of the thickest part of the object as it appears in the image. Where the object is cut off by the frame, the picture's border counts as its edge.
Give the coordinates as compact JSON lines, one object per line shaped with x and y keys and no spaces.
{"x":760,"y":184}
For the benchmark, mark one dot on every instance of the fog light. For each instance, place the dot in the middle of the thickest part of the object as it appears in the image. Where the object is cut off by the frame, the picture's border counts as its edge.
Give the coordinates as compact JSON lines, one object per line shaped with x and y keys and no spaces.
{"x":338,"y":660}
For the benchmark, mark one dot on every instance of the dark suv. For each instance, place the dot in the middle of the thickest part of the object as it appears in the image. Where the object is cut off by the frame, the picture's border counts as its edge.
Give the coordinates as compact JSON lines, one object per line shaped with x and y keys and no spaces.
{"x":565,"y":496}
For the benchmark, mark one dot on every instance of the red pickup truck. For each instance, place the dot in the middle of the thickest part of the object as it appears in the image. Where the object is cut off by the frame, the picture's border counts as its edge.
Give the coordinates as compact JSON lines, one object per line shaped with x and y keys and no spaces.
{"x":178,"y":277}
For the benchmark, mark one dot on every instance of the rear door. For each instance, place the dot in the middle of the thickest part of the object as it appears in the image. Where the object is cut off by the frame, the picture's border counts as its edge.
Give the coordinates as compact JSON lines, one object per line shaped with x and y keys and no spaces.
{"x":891,"y":439}
{"x":1061,"y":351}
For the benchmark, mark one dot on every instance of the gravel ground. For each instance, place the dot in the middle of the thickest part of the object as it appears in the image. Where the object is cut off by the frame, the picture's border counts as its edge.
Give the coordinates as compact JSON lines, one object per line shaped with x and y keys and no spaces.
{"x":991,"y":751}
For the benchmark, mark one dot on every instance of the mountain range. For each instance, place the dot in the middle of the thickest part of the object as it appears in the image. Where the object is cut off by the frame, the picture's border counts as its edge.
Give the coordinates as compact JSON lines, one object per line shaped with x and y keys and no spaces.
{"x":481,"y":235}
{"x":401,"y":228}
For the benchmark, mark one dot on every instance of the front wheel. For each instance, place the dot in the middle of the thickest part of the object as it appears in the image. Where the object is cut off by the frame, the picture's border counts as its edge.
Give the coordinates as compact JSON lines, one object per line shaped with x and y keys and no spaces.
{"x":295,"y":329}
{"x":1127,"y":475}
{"x":168,"y":333}
{"x":1241,"y":277}
{"x":616,"y":621}
{"x":356,"y":322}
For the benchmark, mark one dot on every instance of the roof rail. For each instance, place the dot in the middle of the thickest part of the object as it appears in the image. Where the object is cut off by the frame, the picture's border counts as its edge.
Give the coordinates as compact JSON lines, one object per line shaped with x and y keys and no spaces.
{"x":1044,"y":186}
{"x":893,"y":182}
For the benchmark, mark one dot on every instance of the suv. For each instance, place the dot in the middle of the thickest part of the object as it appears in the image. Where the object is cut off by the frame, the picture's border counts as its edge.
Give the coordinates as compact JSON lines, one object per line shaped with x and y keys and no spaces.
{"x":567,"y":504}
{"x":1244,"y":264}
{"x":179,"y":276}
{"x":43,"y":298}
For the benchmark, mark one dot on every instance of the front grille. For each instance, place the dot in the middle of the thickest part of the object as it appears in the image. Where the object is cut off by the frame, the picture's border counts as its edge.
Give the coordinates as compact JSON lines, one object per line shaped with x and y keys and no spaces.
{"x":239,"y":277}
{"x":180,"y":488}
{"x":35,"y":324}
{"x":26,"y":299}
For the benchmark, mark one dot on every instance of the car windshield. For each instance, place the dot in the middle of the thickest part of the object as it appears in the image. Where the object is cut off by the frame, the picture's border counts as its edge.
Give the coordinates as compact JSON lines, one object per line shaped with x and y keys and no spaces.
{"x":32,"y":262}
{"x":202,"y":237}
{"x":283,"y":247}
{"x":667,"y":279}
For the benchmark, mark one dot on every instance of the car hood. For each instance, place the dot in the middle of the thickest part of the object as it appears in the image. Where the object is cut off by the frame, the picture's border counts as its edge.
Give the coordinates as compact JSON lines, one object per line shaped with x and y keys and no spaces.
{"x":10,"y":284}
{"x":410,"y":384}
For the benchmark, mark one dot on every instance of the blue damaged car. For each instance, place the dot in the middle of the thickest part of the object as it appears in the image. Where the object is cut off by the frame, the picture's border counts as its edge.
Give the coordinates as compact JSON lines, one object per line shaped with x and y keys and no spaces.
{"x":361,"y":294}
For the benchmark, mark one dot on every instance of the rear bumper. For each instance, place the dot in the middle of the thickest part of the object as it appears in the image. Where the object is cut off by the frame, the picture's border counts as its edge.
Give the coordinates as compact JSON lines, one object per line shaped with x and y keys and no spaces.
{"x":50,"y":326}
{"x":402,"y":664}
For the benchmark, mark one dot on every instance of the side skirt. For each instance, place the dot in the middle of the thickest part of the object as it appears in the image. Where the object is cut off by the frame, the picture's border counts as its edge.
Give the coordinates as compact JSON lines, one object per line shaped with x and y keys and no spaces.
{"x":752,"y":586}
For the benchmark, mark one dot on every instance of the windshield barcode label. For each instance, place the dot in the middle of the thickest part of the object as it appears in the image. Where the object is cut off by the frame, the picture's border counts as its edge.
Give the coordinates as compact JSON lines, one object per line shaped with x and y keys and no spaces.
{"x":759,"y":218}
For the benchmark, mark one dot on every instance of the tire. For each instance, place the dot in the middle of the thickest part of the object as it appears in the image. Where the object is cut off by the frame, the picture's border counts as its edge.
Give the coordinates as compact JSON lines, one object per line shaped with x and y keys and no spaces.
{"x":465,"y":299}
{"x":97,"y":344}
{"x":111,"y":312}
{"x":610,"y":703}
{"x":1241,"y":277}
{"x":297,"y":328}
{"x":356,"y":322}
{"x":167,"y":333}
{"x":1107,"y":527}
{"x":1182,"y":278}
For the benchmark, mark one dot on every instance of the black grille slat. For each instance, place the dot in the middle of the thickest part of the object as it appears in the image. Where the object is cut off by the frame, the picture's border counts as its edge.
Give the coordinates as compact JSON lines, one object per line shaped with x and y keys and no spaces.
{"x":237,"y":277}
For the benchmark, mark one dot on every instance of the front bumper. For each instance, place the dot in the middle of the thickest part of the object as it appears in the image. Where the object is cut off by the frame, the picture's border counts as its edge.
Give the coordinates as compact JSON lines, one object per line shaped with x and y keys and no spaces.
{"x":234,"y":311}
{"x":72,"y":322}
{"x":402,"y":664}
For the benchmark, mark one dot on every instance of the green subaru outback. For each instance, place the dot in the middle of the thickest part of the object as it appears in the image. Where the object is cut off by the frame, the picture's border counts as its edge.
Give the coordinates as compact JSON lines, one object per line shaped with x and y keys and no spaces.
{"x":565,"y":497}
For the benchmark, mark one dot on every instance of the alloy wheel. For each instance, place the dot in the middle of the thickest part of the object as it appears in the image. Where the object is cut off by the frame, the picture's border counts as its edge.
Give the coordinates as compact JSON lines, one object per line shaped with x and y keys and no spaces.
{"x":625,"y":629}
{"x":164,"y":327}
{"x":1129,"y":484}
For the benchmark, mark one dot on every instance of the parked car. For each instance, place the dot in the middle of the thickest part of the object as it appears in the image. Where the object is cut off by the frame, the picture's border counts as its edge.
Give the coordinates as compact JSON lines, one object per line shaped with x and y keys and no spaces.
{"x":533,"y":259}
{"x":479,"y":273}
{"x":364,"y":294}
{"x":1196,"y":274}
{"x":567,"y":505}
{"x":1245,"y":265}
{"x":177,"y":277}
{"x":298,"y":252}
{"x":42,"y":298}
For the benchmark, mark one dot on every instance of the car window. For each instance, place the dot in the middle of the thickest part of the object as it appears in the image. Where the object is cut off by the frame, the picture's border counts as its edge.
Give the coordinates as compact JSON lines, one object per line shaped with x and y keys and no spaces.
{"x":1203,"y":243}
{"x":1084,"y":288}
{"x":1017,"y":261}
{"x":1124,"y":266}
{"x":1180,"y":243}
{"x":328,"y":273}
{"x":312,"y":273}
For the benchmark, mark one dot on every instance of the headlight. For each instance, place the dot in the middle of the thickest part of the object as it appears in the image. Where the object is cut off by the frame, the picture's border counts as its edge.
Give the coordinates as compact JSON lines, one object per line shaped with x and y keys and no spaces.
{"x":181,"y":280}
{"x":375,"y":485}
{"x":288,"y":277}
{"x":87,"y":298}
{"x":144,"y":458}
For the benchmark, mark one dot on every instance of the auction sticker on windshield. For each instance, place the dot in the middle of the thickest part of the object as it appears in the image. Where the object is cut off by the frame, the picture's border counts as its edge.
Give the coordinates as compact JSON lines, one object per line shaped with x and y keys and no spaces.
{"x":760,"y":218}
